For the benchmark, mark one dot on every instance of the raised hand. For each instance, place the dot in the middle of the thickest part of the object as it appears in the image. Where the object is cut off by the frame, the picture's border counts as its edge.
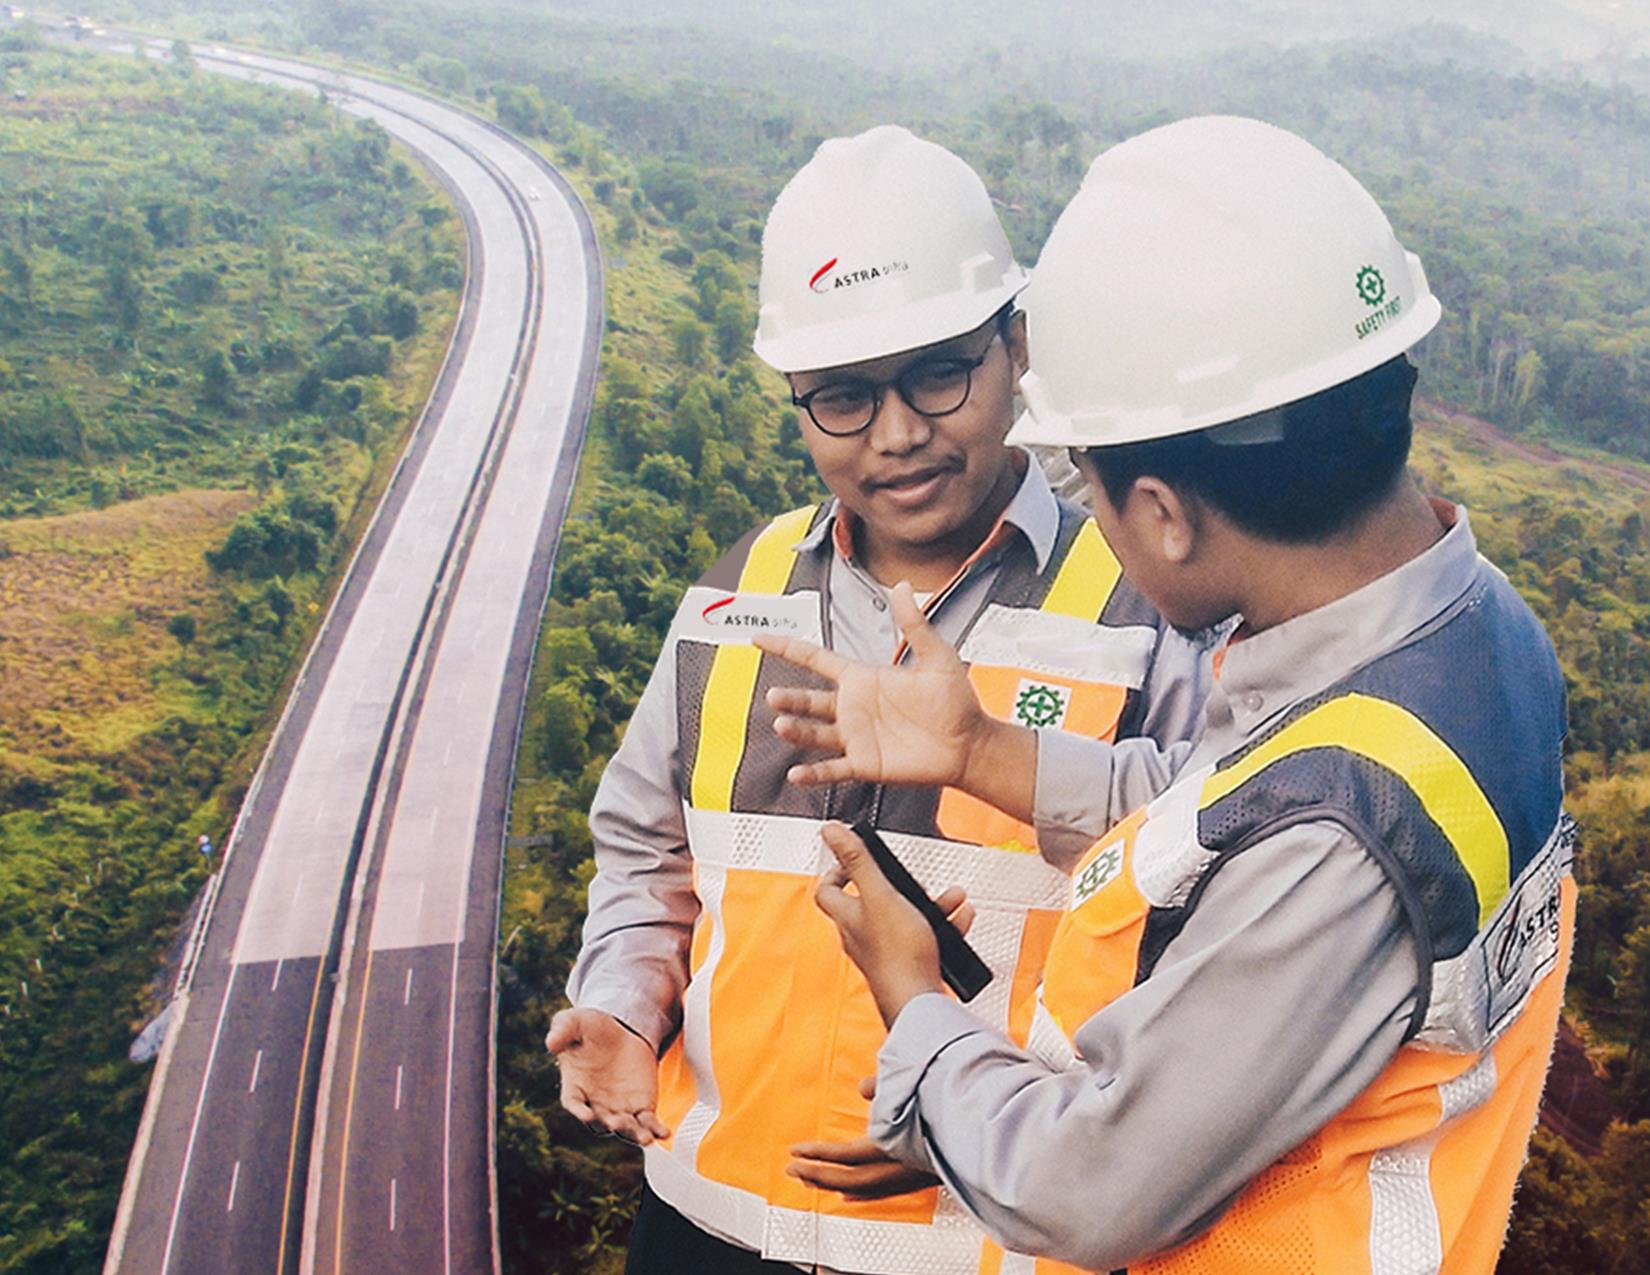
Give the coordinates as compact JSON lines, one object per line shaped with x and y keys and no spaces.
{"x":916,"y":723}
{"x":609,"y":1075}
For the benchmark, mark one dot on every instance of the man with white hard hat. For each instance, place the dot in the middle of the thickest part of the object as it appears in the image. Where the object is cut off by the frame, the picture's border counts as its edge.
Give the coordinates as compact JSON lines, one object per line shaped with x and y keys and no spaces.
{"x":887,"y":300}
{"x":1299,"y":1012}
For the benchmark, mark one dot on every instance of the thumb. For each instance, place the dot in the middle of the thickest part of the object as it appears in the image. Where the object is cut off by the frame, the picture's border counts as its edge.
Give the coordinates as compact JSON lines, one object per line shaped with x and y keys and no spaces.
{"x":852,"y":857}
{"x":564,"y":1031}
{"x":919,"y":635}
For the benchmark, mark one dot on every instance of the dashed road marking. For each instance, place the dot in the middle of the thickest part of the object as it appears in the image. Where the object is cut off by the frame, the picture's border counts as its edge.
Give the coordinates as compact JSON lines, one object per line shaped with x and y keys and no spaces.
{"x":234,"y":1182}
{"x":257,"y":1062}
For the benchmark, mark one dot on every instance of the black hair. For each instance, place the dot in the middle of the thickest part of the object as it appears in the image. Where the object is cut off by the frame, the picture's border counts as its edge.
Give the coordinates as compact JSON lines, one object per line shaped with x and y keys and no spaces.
{"x":1299,"y":473}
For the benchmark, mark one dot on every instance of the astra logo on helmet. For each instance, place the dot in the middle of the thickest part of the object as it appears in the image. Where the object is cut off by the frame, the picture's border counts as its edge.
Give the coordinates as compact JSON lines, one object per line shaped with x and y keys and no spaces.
{"x":828,"y":278}
{"x":1372,"y":292}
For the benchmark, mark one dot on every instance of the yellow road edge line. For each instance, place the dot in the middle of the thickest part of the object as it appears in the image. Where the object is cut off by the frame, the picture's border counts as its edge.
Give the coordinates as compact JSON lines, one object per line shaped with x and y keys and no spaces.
{"x":349,"y":1111}
{"x":297,"y":1108}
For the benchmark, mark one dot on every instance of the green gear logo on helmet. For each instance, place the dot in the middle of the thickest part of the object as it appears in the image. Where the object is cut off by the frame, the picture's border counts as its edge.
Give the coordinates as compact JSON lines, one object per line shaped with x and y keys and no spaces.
{"x":1038,"y":704}
{"x":1371,"y":286}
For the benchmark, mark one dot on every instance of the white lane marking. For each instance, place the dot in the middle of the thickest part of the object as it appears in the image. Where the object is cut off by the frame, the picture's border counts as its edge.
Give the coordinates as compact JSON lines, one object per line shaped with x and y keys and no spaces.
{"x":298,"y":890}
{"x":418,"y":908}
{"x":392,"y":1204}
{"x":406,"y":995}
{"x":195,"y":1123}
{"x":234,"y":1181}
{"x":398,"y":1086}
{"x":257,"y":1062}
{"x":276,"y":981}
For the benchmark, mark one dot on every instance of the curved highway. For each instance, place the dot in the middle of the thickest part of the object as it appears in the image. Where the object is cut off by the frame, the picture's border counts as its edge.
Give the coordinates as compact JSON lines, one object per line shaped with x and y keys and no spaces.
{"x":323,"y":1100}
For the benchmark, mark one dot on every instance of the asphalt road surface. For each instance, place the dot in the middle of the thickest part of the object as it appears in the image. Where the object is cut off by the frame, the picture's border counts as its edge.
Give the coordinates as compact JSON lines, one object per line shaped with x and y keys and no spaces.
{"x":323,"y":1101}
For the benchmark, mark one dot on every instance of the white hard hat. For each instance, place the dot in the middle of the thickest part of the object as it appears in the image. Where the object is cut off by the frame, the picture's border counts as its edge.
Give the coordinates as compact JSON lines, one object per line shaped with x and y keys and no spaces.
{"x":881,"y":243}
{"x":1206,"y":271}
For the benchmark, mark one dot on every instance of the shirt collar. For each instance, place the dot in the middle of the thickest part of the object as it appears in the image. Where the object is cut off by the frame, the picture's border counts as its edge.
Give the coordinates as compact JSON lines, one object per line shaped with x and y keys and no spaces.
{"x":1291,"y":662}
{"x":1034,"y":511}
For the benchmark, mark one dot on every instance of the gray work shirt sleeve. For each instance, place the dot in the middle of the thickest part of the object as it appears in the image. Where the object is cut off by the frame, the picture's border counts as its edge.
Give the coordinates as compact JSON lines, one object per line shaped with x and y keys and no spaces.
{"x":1289,"y":990}
{"x":634,"y":962}
{"x":1085,"y":785}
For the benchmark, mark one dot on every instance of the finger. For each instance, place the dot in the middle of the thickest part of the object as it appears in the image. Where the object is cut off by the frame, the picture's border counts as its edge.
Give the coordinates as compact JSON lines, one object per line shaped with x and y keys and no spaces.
{"x":958,"y":910}
{"x":651,"y":1122}
{"x":835,"y":902}
{"x":795,"y":700}
{"x":868,"y":1088}
{"x":625,"y":1125}
{"x":573,"y":1102}
{"x":853,"y":857}
{"x":868,"y":1182}
{"x":821,"y":737}
{"x":859,"y":1151}
{"x":564,"y":1031}
{"x":924,"y":641}
{"x":811,"y":774}
{"x":816,"y":659}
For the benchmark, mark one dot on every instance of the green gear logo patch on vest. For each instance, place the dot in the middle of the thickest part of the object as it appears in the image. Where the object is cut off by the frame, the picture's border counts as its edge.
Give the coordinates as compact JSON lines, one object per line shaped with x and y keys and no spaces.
{"x":1371,"y":286}
{"x":1039,"y":704}
{"x":1097,"y":875}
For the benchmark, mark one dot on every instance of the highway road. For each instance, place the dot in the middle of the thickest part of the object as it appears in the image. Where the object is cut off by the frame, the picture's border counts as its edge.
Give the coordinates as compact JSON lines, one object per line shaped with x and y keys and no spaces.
{"x":323,"y":1100}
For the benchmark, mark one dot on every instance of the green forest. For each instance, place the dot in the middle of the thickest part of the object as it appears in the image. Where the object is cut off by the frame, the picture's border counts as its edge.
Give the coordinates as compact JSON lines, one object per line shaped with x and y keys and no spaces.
{"x":220,"y":308}
{"x":1524,"y":188}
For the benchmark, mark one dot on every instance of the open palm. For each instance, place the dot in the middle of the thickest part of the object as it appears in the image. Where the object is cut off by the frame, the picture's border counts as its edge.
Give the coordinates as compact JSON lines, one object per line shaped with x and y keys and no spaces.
{"x":913,"y":723}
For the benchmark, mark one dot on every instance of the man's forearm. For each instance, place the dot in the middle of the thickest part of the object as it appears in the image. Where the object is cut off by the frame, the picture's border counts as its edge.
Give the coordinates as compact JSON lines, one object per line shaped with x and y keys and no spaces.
{"x":1002,"y":768}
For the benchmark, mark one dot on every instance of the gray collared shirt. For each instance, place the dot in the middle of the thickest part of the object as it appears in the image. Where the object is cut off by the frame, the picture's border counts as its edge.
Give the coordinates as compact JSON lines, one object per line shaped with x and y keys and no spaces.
{"x":634,"y":961}
{"x":1194,"y":1081}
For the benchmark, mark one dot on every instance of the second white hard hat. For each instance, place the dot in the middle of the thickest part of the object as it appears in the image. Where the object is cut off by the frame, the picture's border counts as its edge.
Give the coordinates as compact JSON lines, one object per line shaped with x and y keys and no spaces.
{"x":1206,"y":271}
{"x":879,"y":244}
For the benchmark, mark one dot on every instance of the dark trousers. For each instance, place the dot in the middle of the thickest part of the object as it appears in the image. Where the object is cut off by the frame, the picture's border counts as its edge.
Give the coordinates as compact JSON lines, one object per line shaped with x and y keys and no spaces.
{"x":663,"y":1242}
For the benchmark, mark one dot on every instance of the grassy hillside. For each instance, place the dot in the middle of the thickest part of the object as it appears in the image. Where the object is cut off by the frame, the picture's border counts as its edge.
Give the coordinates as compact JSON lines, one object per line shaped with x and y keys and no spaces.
{"x":219,"y":309}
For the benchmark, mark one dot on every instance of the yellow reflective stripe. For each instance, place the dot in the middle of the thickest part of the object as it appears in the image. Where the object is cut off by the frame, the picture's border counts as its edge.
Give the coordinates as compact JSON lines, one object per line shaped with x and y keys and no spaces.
{"x":1087,"y":576}
{"x":1395,"y":738}
{"x":725,"y":710}
{"x":768,"y":565}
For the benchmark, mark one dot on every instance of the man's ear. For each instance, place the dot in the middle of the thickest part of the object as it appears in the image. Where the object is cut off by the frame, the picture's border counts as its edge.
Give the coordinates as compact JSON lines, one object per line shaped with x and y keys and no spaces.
{"x":1172,"y":521}
{"x":1014,"y":337}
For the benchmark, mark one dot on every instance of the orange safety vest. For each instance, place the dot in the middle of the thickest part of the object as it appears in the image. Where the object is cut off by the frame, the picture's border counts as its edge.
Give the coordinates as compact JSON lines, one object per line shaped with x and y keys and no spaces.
{"x":779,"y":1027}
{"x":1454,"y":783}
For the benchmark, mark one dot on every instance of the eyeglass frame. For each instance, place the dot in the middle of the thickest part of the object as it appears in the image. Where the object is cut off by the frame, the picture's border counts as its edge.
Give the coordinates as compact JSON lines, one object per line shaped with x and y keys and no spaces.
{"x":879,"y":388}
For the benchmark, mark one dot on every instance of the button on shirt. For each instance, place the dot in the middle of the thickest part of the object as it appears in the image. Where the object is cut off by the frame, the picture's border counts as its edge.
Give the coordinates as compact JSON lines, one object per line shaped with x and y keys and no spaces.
{"x":1289,"y":990}
{"x":634,"y":962}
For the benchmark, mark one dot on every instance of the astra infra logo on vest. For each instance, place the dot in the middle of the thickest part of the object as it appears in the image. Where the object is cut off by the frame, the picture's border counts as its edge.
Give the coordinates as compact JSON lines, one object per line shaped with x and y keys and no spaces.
{"x":828,"y":278}
{"x":757,"y":614}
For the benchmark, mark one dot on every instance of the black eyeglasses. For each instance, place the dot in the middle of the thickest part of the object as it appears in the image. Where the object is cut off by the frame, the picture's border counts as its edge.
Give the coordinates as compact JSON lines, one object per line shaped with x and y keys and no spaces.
{"x":930,"y":387}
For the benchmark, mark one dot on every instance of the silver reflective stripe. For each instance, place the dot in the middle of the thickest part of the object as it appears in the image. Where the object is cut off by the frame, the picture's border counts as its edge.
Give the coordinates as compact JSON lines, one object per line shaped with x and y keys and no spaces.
{"x":996,"y":935}
{"x":1046,"y":1042}
{"x":696,"y":1022}
{"x":790,"y":843}
{"x":1404,"y":1238}
{"x":1060,"y":646}
{"x":1478,"y":993}
{"x":950,"y":1245}
{"x":1468,"y":1090}
{"x":1017,"y":1264}
{"x":725,"y":1211}
{"x":1168,"y":857}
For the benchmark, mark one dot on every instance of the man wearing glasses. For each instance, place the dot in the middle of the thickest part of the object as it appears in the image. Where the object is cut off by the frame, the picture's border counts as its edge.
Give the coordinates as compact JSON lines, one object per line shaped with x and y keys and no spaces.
{"x":887,"y":296}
